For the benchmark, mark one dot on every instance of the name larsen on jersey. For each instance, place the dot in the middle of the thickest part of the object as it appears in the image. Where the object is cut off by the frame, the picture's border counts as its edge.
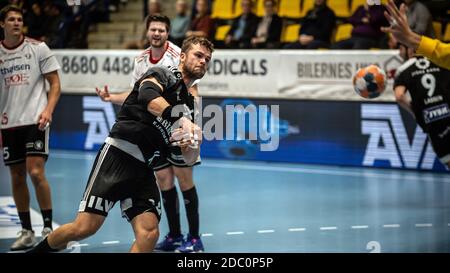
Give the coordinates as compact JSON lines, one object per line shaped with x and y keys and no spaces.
{"x":433,"y":99}
{"x":11,"y":69}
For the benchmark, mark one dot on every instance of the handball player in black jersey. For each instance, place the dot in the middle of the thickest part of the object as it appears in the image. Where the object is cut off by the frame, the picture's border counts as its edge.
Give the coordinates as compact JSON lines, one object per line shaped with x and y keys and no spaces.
{"x":158,"y":113}
{"x":429,"y":88}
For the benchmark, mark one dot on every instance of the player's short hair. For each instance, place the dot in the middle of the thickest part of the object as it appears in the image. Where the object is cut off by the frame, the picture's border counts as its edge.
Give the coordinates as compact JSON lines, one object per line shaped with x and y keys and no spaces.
{"x":193,"y":40}
{"x":157,"y":18}
{"x":7,"y":9}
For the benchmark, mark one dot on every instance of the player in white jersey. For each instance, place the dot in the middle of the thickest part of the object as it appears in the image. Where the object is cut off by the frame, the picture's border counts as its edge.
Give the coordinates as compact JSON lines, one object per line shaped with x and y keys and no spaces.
{"x":26,"y":112}
{"x":164,"y":53}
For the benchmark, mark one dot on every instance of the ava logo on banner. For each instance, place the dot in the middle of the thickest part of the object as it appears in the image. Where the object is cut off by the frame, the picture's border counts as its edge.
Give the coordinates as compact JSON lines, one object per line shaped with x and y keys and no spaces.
{"x":389,"y":141}
{"x":101,"y":118}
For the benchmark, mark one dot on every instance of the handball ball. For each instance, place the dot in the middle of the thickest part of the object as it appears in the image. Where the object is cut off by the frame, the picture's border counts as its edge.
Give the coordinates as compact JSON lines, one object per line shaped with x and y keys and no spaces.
{"x":369,"y":82}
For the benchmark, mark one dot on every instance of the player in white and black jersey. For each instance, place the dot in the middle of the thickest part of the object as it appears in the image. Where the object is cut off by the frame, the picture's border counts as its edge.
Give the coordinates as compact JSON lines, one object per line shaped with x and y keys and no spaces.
{"x":155,"y":115}
{"x":429,"y":102}
{"x":26,"y":111}
{"x":164,"y":53}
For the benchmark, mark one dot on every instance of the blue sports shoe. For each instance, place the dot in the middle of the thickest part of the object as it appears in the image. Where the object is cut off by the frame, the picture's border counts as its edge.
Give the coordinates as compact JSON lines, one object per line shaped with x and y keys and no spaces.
{"x":192,"y":245}
{"x":170,"y":243}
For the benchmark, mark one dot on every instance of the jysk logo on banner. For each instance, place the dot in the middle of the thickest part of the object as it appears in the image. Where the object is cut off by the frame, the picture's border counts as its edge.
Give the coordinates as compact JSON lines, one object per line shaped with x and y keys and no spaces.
{"x":388,"y":139}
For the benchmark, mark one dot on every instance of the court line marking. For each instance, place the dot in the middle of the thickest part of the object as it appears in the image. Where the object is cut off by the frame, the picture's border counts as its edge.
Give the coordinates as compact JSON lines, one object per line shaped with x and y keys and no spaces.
{"x":296,"y":229}
{"x":328,"y":228}
{"x":288,"y":169}
{"x":271,"y":231}
{"x":391,"y":226}
{"x":235,"y":233}
{"x":360,"y":227}
{"x":110,"y":242}
{"x":266,"y":231}
{"x":424,"y":225}
{"x":325,"y":172}
{"x":80,"y":245}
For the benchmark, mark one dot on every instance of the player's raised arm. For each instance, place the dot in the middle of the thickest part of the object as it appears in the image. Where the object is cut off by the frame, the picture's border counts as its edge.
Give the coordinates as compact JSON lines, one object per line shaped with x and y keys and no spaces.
{"x":118,"y":98}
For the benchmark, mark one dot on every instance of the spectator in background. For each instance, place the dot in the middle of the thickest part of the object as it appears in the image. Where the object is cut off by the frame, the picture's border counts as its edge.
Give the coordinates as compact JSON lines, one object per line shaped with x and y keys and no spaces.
{"x":435,"y":50}
{"x":367,"y":21}
{"x":35,"y":21}
{"x":419,"y":18}
{"x":194,"y":8}
{"x":242,"y":28}
{"x":53,"y":13}
{"x":180,"y":24}
{"x":268,"y":32}
{"x":317,"y":28}
{"x":203,"y":24}
{"x":154,"y":8}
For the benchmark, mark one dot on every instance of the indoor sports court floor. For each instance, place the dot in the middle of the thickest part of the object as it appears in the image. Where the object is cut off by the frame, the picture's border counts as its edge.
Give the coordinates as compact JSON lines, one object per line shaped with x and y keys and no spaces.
{"x":261,"y":207}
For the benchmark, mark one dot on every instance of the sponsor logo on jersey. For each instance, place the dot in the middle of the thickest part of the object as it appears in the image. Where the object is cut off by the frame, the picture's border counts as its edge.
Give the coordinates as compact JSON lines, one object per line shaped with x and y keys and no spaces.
{"x":436,"y":113}
{"x":100,"y":204}
{"x":11,"y":59}
{"x":14,"y":68}
{"x":388,"y":139}
{"x":16,"y":79}
{"x":38,"y":145}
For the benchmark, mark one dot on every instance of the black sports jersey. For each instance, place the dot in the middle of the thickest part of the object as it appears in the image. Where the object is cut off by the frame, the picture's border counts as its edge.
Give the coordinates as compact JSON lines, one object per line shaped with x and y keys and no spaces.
{"x":151,"y":133}
{"x":429,"y":86}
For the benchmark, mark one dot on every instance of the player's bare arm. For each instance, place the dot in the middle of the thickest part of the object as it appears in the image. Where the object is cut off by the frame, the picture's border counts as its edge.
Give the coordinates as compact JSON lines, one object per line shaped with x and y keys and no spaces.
{"x":53,"y":97}
{"x":117,"y":98}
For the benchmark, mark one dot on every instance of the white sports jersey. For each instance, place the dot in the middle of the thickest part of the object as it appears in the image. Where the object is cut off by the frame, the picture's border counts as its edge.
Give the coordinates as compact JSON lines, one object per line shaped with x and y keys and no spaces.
{"x":22,"y":95}
{"x":144,"y":62}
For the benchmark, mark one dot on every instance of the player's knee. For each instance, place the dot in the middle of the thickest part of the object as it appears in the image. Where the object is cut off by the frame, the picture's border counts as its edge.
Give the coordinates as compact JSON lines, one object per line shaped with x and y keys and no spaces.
{"x":185,"y":179}
{"x":149,"y":234}
{"x":36,"y":174}
{"x":165,"y":179}
{"x":81,"y":231}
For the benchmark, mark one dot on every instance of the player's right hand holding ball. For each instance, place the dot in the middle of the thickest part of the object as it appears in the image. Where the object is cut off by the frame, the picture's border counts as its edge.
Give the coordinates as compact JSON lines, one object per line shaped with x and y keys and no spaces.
{"x":186,"y":134}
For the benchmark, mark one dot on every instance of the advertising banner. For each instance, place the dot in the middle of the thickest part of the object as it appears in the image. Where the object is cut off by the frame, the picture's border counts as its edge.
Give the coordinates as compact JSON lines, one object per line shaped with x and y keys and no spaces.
{"x":298,"y":131}
{"x":290,"y":74}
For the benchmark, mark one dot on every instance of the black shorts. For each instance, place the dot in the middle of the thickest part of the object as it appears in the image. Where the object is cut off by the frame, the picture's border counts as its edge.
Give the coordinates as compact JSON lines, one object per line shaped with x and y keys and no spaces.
{"x":440,"y":140}
{"x":20,"y":142}
{"x":118,"y":176}
{"x":175,"y":158}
